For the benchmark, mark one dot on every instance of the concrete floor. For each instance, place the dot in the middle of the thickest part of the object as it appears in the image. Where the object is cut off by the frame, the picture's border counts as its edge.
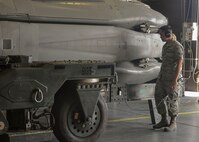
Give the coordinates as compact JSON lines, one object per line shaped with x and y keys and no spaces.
{"x":131,"y":123}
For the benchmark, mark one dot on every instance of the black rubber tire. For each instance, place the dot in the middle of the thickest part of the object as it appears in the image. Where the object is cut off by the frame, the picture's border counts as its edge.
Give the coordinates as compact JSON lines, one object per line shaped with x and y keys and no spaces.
{"x":61,"y":110}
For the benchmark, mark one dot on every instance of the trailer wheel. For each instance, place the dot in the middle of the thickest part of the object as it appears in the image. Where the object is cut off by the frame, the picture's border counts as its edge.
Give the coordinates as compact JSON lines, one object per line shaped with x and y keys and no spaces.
{"x":70,"y":125}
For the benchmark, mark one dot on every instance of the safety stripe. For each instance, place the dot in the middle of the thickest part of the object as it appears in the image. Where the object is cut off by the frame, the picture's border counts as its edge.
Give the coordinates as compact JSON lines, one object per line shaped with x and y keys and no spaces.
{"x":129,"y":119}
{"x":189,"y":112}
{"x":148,"y":117}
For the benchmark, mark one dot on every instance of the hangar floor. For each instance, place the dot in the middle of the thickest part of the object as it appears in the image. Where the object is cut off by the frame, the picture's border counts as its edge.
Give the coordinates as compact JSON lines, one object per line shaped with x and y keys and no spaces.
{"x":130,"y":122}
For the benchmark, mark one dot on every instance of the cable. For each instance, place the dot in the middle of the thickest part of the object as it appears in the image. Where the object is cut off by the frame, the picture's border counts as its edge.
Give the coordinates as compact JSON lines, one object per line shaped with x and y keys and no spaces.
{"x":196,"y":61}
{"x":192,"y":64}
{"x":44,"y":114}
{"x":191,"y":57}
{"x":194,"y":72}
{"x":126,"y":102}
{"x":166,"y":99}
{"x":150,"y":109}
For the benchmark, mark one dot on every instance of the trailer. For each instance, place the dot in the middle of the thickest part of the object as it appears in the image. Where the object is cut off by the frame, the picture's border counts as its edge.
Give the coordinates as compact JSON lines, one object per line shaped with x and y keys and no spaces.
{"x":64,"y":96}
{"x":58,"y":64}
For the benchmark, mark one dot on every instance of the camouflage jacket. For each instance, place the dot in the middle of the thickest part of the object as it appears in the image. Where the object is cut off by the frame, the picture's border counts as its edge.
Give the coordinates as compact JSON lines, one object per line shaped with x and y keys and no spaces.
{"x":172,"y":51}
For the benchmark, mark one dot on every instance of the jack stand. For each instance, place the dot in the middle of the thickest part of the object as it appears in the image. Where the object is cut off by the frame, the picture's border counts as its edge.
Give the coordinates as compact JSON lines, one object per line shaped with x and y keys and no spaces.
{"x":152,"y":111}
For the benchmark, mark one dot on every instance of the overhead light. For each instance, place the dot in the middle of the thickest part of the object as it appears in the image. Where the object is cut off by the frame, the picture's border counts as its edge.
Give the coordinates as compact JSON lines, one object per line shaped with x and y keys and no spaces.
{"x":126,"y":0}
{"x":73,"y":3}
{"x":191,"y":94}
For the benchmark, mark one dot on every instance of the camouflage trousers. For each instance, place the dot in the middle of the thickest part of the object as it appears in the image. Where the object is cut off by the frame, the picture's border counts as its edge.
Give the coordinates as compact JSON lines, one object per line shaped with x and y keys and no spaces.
{"x":167,"y":99}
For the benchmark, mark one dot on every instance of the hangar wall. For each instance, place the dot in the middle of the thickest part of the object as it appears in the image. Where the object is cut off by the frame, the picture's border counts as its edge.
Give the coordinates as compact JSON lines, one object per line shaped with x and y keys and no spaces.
{"x":177,"y":12}
{"x":173,"y":10}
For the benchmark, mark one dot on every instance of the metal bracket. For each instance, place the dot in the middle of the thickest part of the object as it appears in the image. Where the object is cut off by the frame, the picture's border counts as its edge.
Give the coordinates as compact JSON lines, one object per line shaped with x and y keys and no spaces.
{"x":88,"y":99}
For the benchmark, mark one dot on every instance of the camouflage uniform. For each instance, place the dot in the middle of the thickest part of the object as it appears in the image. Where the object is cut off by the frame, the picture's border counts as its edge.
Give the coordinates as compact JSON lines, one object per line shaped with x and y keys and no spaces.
{"x":172,"y":51}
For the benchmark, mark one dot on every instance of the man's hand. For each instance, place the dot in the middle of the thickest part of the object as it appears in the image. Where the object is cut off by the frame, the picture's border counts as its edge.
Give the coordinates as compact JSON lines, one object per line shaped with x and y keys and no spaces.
{"x":177,"y":72}
{"x":174,"y":85}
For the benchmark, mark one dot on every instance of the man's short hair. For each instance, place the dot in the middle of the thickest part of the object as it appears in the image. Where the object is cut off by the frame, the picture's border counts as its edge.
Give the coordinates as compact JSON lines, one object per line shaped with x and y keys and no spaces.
{"x":166,"y":30}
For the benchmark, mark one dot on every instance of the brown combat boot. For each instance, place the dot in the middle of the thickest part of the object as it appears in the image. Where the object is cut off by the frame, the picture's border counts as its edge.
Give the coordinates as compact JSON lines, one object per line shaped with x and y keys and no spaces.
{"x":172,"y":126}
{"x":163,"y":123}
